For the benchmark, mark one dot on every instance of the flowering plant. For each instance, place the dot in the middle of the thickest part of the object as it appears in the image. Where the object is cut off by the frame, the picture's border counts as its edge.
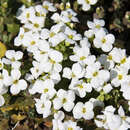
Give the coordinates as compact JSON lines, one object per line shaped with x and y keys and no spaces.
{"x":68,"y":82}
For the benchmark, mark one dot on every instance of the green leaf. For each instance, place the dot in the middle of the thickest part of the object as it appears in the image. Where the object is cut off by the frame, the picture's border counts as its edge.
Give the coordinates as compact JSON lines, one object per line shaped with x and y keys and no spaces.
{"x":1,"y":27}
{"x":13,"y":28}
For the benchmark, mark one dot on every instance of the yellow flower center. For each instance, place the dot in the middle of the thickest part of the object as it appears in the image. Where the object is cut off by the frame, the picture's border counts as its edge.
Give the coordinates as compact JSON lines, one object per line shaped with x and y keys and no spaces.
{"x":21,"y":36}
{"x":109,"y":57}
{"x":123,"y":60}
{"x":45,"y":90}
{"x":15,"y":81}
{"x":43,"y":15}
{"x":52,"y":61}
{"x":70,"y":36}
{"x":33,"y":43}
{"x":37,"y":70}
{"x":64,"y":100}
{"x":73,"y":75}
{"x":1,"y":65}
{"x":46,"y":7}
{"x":123,"y":117}
{"x":52,"y":34}
{"x":37,"y":14}
{"x":42,"y":52}
{"x":88,"y":80}
{"x":82,"y":58}
{"x":103,"y":40}
{"x":98,"y":26}
{"x":84,"y":110}
{"x":36,"y":25}
{"x":120,"y":77}
{"x":13,"y":59}
{"x":70,"y":16}
{"x":28,"y":15}
{"x":95,"y":74}
{"x":87,"y":1}
{"x":70,"y":128}
{"x":43,"y":106}
{"x":67,"y":43}
{"x":80,"y":86}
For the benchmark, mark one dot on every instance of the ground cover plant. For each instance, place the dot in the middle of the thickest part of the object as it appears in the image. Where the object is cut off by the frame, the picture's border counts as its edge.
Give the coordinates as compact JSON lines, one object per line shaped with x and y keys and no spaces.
{"x":64,"y":65}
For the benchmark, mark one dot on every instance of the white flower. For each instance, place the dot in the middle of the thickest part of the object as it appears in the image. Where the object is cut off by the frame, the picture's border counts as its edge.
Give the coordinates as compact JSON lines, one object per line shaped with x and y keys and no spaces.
{"x":70,"y":125}
{"x":108,"y":116}
{"x":76,"y":72}
{"x":40,"y":11}
{"x":53,"y":62}
{"x":34,"y":87}
{"x":103,"y":40}
{"x":125,"y":88}
{"x":85,"y":43}
{"x":100,"y":121}
{"x":81,"y":88}
{"x":48,"y":6}
{"x":37,"y":69}
{"x":89,"y":33}
{"x":86,"y":4}
{"x":119,"y":56}
{"x":17,"y":83}
{"x":68,"y":16}
{"x":96,"y":25}
{"x":58,"y":125}
{"x":107,"y":61}
{"x":31,"y":41}
{"x":42,"y":53}
{"x":80,"y":54}
{"x":19,"y":39}
{"x":120,"y":76}
{"x":26,"y":14}
{"x":55,"y":76}
{"x":113,"y":121}
{"x":47,"y":88}
{"x":59,"y":115}
{"x":2,"y":100}
{"x":35,"y":24}
{"x":106,"y":88}
{"x":57,"y":121}
{"x":13,"y":58}
{"x":96,"y":76}
{"x":125,"y":119}
{"x":64,"y":99}
{"x":55,"y":34}
{"x":5,"y":81}
{"x":83,"y":111}
{"x":43,"y":106}
{"x":56,"y":17}
{"x":72,"y":36}
{"x":52,"y":75}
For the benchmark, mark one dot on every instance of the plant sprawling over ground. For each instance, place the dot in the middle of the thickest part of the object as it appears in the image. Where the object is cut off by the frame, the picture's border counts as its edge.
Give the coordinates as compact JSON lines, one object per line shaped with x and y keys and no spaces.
{"x":59,"y":73}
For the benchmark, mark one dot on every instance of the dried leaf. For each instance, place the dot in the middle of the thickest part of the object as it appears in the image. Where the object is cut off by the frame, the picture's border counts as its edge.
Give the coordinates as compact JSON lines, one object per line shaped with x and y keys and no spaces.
{"x":48,"y":124}
{"x":18,"y":117}
{"x":4,"y":124}
{"x":2,"y":49}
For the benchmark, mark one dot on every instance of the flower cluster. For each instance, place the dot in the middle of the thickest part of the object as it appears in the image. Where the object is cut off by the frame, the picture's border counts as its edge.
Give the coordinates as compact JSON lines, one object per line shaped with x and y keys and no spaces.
{"x":86,"y":4}
{"x":59,"y":53}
